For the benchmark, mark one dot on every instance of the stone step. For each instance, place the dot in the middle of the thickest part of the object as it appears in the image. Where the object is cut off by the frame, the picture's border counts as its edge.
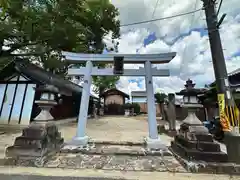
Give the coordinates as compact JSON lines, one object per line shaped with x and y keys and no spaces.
{"x":33,"y":131}
{"x":29,"y":142}
{"x":123,"y":143}
{"x":199,"y":145}
{"x":100,"y":149}
{"x":208,"y":167}
{"x":204,"y":137}
{"x":193,"y":154}
{"x":14,"y":152}
{"x":110,"y":162}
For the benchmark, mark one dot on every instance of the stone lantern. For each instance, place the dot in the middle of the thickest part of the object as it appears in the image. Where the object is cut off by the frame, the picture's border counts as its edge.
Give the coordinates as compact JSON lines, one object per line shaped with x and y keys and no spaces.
{"x":42,"y":137}
{"x":46,"y":102}
{"x":193,"y":140}
{"x":191,"y":103}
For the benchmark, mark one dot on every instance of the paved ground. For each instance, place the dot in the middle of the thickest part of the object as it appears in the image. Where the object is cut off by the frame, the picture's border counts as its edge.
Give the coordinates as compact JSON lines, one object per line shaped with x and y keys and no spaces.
{"x":115,"y":162}
{"x":70,"y":174}
{"x":35,"y":177}
{"x":5,"y":141}
{"x":114,"y":128}
{"x":109,"y":128}
{"x":119,"y":129}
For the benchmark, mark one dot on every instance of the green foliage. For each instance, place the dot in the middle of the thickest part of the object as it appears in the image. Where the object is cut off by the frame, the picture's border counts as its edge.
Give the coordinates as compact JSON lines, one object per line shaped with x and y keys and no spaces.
{"x":40,"y":29}
{"x":103,"y":83}
{"x":210,"y":96}
{"x":136,"y":108}
{"x":160,"y":97}
{"x":128,"y":106}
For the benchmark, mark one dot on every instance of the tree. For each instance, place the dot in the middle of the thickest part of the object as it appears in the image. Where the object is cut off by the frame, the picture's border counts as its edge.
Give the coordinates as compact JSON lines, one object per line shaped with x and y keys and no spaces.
{"x":160,"y":98}
{"x":40,"y":29}
{"x":103,"y":83}
{"x":136,"y":107}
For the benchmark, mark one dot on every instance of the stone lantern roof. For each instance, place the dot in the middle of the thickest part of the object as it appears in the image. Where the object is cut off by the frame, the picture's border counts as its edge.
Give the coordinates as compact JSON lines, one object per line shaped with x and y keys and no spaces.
{"x":47,"y":88}
{"x":190,"y":90}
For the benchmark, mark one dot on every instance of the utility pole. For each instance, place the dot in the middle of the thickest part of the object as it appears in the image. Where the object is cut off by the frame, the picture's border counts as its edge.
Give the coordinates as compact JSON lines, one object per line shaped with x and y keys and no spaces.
{"x":225,"y":99}
{"x":231,"y":137}
{"x":218,"y":60}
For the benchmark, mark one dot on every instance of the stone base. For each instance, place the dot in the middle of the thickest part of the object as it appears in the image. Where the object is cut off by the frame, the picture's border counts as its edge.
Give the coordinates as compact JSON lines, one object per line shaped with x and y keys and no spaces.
{"x":198,"y":150}
{"x":77,"y":142}
{"x":37,"y":140}
{"x":155,"y":144}
{"x":232,"y":141}
{"x":172,"y":133}
{"x":207,"y":167}
{"x":161,"y":129}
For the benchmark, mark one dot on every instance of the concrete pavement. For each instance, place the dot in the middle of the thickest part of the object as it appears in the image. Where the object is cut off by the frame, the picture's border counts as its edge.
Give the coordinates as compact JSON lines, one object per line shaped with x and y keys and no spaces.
{"x":113,"y":128}
{"x":101,"y":174}
{"x":37,"y":177}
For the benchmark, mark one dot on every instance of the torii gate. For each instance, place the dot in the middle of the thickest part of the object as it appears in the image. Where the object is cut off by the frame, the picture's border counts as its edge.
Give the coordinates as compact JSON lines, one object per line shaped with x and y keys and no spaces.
{"x":153,"y":141}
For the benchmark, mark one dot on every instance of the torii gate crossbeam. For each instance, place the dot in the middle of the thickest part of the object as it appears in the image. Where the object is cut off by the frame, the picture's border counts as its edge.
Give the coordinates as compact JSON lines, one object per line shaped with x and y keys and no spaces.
{"x":153,"y":141}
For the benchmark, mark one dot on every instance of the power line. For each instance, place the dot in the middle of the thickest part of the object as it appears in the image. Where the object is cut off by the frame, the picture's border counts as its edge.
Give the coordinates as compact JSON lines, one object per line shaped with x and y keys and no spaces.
{"x":159,"y":19}
{"x":155,"y":9}
{"x":219,"y":7}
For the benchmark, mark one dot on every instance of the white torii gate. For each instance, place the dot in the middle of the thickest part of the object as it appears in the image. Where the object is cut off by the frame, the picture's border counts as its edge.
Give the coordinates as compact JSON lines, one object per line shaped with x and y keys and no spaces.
{"x":153,"y":141}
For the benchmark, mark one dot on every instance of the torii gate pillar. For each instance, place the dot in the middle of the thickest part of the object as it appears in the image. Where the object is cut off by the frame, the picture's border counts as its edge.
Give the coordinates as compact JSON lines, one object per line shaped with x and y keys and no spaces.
{"x":81,"y":138}
{"x":153,"y":141}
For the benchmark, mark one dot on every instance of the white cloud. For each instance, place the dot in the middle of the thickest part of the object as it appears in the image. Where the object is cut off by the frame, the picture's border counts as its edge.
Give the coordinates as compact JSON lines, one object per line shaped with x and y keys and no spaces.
{"x":193,"y":51}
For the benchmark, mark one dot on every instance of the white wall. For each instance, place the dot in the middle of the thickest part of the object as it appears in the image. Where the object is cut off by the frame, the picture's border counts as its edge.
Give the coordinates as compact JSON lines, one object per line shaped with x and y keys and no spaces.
{"x":21,"y":104}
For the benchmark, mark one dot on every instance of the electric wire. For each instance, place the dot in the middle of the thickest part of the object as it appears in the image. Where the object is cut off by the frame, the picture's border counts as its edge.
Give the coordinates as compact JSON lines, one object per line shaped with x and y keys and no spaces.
{"x":155,"y":8}
{"x":163,"y":18}
{"x":153,"y":13}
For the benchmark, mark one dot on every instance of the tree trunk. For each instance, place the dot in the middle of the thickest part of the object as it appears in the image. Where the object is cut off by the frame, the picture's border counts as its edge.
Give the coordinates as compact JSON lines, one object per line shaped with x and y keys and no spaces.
{"x":1,"y":47}
{"x":101,"y":89}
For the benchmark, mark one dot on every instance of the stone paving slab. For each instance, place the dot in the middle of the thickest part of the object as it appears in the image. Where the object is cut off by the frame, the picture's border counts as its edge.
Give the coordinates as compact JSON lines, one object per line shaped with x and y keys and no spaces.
{"x":112,"y":142}
{"x":109,"y":149}
{"x":123,"y":163}
{"x":106,"y":162}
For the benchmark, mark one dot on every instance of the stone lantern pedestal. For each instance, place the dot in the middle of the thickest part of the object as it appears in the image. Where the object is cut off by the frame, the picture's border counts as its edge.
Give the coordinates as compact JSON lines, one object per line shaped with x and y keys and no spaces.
{"x":41,"y":137}
{"x":193,"y":140}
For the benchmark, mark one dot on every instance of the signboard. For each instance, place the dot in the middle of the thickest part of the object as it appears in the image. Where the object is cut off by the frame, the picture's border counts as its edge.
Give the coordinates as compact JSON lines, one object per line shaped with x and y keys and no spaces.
{"x":223,"y":117}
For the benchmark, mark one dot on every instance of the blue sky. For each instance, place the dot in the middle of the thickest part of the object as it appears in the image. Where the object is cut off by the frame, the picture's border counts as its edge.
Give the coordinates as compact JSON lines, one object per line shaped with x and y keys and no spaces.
{"x":151,"y":38}
{"x":185,"y":35}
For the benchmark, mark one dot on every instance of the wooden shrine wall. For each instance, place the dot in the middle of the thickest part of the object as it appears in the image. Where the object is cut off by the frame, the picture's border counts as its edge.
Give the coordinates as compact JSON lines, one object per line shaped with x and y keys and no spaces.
{"x":16,"y":100}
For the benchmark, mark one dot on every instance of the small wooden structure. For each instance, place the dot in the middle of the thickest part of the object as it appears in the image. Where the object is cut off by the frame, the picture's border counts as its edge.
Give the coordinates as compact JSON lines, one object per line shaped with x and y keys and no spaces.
{"x":234,"y":81}
{"x":18,"y":81}
{"x":114,"y":101}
